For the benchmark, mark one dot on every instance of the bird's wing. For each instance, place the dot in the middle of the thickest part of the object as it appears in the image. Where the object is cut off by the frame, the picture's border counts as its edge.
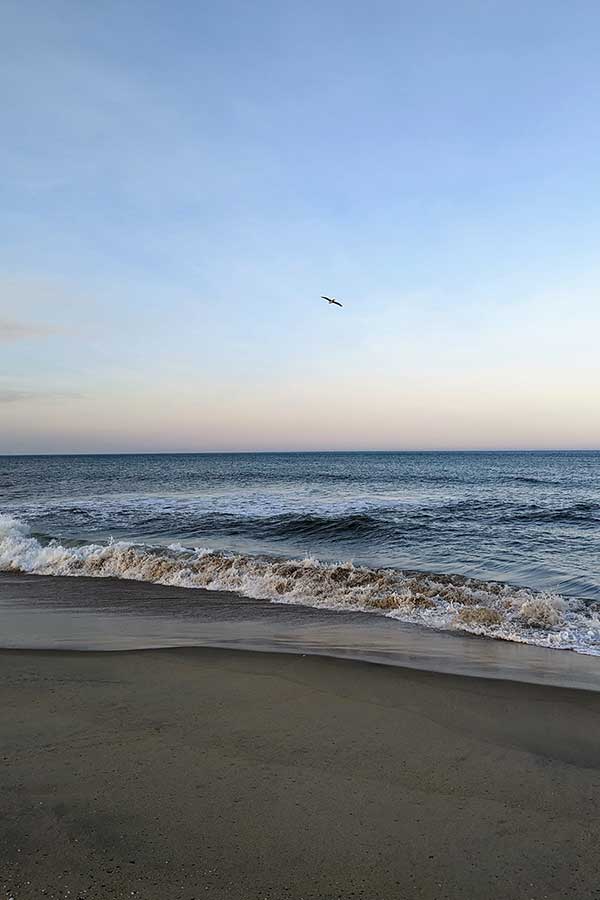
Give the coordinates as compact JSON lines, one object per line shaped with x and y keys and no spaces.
{"x":326,"y":298}
{"x":337,"y":303}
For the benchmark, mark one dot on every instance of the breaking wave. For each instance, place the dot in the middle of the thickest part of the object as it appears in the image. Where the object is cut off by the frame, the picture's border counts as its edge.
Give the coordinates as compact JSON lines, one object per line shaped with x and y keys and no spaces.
{"x":448,"y":602}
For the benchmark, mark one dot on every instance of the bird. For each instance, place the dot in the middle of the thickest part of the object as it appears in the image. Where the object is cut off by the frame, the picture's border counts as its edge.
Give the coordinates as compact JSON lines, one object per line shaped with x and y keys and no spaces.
{"x":331,"y":300}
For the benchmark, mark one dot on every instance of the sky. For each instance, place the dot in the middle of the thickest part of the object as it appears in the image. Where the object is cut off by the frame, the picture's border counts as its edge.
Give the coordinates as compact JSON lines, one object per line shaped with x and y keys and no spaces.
{"x":180,"y":182}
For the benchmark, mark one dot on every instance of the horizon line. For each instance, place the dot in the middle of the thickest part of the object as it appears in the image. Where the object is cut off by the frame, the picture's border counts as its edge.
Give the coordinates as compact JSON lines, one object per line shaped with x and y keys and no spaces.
{"x":8,"y":455}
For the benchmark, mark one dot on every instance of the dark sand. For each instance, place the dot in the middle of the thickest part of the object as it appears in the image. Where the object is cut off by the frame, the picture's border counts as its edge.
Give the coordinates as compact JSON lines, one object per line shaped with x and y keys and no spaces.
{"x":198,"y":773}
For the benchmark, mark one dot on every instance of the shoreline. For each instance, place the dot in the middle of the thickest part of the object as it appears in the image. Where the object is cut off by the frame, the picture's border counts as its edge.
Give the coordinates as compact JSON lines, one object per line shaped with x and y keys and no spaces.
{"x":496,"y":609}
{"x":240,"y":775}
{"x":83,"y":613}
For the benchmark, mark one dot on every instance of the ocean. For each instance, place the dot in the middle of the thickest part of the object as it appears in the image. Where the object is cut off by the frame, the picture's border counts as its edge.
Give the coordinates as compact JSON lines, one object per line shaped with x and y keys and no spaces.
{"x":502,"y":545}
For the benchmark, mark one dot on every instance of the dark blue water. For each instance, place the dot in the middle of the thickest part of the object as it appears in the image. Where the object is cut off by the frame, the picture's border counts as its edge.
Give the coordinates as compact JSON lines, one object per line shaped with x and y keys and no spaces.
{"x":529,"y":519}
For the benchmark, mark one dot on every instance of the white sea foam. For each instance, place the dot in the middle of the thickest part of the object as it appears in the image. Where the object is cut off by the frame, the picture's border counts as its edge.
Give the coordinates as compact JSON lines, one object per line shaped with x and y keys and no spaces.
{"x":439,"y":601}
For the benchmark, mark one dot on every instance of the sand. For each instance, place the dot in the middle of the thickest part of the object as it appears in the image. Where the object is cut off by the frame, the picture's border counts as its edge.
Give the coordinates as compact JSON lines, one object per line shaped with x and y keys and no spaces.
{"x":198,"y":773}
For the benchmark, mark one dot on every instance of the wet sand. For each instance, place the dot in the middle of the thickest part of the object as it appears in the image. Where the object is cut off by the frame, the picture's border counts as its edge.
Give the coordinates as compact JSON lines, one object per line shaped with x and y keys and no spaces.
{"x":64,"y":613}
{"x":189,"y":773}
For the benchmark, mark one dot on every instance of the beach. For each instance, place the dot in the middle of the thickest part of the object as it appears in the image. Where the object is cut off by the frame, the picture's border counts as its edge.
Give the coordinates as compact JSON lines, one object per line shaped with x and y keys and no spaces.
{"x":197,"y":772}
{"x":300,"y":676}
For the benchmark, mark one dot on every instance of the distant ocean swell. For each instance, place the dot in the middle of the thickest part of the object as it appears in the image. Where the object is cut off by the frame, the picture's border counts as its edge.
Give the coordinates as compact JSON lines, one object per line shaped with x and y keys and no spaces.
{"x":447,"y":602}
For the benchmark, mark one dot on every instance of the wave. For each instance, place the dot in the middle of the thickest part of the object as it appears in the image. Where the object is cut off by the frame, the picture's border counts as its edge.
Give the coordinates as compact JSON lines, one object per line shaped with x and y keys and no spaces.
{"x":257,"y":519}
{"x":582,"y":512}
{"x":448,"y":602}
{"x":532,"y":479}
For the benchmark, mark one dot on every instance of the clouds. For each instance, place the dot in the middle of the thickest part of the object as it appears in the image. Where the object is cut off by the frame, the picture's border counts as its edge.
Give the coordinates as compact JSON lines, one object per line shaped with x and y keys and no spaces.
{"x":14,"y":330}
{"x":36,"y":304}
{"x":41,"y":311}
{"x":16,"y":395}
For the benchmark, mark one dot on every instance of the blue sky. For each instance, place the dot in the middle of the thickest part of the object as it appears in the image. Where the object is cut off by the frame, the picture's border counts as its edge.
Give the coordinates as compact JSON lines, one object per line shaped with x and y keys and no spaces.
{"x":180,"y":183}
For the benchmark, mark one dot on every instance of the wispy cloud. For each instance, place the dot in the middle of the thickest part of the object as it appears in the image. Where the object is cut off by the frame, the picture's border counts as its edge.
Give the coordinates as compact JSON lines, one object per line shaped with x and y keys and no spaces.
{"x":13,"y":395}
{"x":12,"y":330}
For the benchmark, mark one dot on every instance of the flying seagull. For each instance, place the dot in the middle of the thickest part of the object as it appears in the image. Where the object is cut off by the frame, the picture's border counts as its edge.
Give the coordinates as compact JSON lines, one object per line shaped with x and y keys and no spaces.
{"x":331,"y":300}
